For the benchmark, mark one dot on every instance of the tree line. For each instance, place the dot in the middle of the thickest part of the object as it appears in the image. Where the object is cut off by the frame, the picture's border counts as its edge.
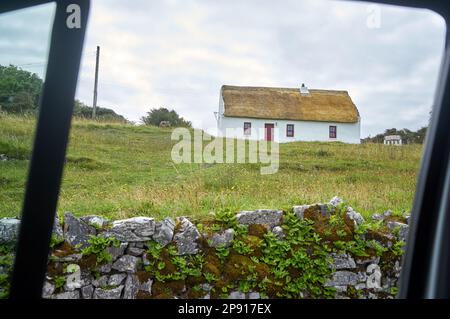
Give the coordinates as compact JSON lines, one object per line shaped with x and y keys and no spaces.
{"x":20,"y":92}
{"x":408,"y":136}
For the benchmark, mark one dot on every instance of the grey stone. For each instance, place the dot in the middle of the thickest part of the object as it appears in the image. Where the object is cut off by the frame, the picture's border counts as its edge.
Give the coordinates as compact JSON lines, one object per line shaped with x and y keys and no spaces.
{"x":354,"y":216}
{"x":133,"y":229}
{"x":342,"y":297}
{"x":397,"y":269}
{"x":267,"y":217}
{"x":126,"y":263}
{"x":342,"y":278}
{"x":73,"y":280}
{"x":116,"y":252}
{"x":146,"y":286}
{"x":387,"y":213}
{"x":69,"y":259}
{"x":342,"y":261}
{"x":116,"y":279}
{"x":362,"y":277}
{"x":95,"y":221}
{"x":9,"y":230}
{"x":335,"y":201}
{"x":100,"y":282}
{"x":86,"y":277}
{"x":372,"y":296}
{"x":377,"y":217}
{"x":222,"y":239}
{"x":57,"y":228}
{"x":340,"y":289}
{"x":384,"y":239}
{"x":278,"y":232}
{"x":105,"y":268}
{"x":300,"y":210}
{"x":164,"y":231}
{"x":387,"y":283}
{"x":134,"y":251}
{"x":186,"y":239}
{"x":407,"y":217}
{"x":236,"y":295}
{"x":206,"y":287}
{"x":87,"y":292}
{"x":254,"y":295}
{"x":138,"y":244}
{"x":113,"y":293}
{"x":402,"y":230}
{"x":145,"y":260}
{"x":369,"y":260}
{"x":47,"y":290}
{"x":68,"y":295}
{"x":360,"y":286}
{"x":77,"y":232}
{"x":374,"y":277}
{"x":131,"y":287}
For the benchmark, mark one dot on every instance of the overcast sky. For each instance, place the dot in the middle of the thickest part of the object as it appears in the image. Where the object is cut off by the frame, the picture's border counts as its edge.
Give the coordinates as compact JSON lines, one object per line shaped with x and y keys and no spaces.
{"x":178,"y":54}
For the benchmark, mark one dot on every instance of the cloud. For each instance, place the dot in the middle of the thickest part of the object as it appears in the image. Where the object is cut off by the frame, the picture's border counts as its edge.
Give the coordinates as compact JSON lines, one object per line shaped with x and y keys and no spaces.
{"x":177,"y":54}
{"x":25,"y":37}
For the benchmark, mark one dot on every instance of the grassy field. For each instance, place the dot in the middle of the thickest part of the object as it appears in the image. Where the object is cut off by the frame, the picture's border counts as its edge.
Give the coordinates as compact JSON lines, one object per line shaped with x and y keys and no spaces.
{"x":119,"y":171}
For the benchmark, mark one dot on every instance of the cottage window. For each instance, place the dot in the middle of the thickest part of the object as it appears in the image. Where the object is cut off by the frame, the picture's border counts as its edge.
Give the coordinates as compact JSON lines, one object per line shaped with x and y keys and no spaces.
{"x":333,"y":131}
{"x":247,"y":128}
{"x":290,"y":130}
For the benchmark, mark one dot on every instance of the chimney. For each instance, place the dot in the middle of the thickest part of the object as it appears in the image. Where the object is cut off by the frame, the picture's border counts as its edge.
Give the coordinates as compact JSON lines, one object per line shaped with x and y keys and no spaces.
{"x":304,"y":90}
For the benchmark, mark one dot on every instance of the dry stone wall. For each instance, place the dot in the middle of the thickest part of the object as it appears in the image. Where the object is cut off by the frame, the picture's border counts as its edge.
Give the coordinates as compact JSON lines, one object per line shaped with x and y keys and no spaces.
{"x":95,"y":258}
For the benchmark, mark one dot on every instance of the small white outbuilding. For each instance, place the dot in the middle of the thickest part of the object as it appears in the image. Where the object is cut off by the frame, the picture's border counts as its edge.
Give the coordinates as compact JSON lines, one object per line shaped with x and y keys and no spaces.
{"x":287,"y":114}
{"x":393,"y":140}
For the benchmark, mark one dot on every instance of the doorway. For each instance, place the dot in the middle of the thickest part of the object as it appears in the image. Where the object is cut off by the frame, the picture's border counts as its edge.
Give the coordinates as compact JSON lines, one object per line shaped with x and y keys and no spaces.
{"x":269,"y":128}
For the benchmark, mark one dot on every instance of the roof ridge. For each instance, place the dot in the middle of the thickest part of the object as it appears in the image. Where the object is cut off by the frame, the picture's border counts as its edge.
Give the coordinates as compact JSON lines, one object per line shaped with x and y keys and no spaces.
{"x":281,"y":88}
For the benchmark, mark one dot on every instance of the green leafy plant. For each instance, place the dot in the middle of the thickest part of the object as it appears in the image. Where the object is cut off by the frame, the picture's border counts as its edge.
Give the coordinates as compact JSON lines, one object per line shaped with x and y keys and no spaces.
{"x":210,"y":277}
{"x":70,"y":269}
{"x":227,"y":219}
{"x":242,"y":248}
{"x":59,"y":281}
{"x":245,"y":286}
{"x":98,"y":245}
{"x":398,"y":248}
{"x":185,"y":266}
{"x":154,"y":249}
{"x":222,"y":253}
{"x":55,"y":241}
{"x":379,"y":249}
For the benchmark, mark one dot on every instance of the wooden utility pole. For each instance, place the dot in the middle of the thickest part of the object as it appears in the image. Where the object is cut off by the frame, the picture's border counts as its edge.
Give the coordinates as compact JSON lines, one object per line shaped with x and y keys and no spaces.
{"x":94,"y":104}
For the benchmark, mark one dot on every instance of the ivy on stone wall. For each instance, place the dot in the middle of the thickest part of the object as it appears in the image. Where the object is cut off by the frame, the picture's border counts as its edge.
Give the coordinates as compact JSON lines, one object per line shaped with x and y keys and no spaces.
{"x":309,"y":251}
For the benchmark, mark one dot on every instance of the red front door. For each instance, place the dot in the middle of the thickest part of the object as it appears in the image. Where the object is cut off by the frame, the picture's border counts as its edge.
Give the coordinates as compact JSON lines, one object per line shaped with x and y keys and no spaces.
{"x":269,"y":131}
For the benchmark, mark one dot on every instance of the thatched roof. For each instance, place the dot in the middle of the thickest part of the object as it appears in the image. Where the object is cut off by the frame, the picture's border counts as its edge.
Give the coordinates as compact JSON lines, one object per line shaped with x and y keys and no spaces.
{"x":289,"y":104}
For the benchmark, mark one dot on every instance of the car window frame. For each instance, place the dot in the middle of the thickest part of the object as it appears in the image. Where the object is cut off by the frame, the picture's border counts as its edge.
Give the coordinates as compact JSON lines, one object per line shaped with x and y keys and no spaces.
{"x":425,"y":265}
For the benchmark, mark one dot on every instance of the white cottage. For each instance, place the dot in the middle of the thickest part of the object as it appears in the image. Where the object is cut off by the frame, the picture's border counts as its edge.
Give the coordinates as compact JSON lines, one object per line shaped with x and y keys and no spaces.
{"x":287,"y":114}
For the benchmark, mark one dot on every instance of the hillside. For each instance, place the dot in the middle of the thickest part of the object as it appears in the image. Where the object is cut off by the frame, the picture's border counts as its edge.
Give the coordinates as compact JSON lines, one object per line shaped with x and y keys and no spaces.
{"x":121,"y":170}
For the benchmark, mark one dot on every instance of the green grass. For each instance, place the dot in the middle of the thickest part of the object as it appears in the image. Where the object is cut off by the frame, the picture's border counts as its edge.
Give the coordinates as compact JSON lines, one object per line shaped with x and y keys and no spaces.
{"x":120,"y":170}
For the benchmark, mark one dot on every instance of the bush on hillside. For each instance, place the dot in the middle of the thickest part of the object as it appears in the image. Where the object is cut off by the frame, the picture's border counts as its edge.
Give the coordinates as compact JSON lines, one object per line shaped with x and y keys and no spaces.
{"x":156,"y":116}
{"x":19,"y":90}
